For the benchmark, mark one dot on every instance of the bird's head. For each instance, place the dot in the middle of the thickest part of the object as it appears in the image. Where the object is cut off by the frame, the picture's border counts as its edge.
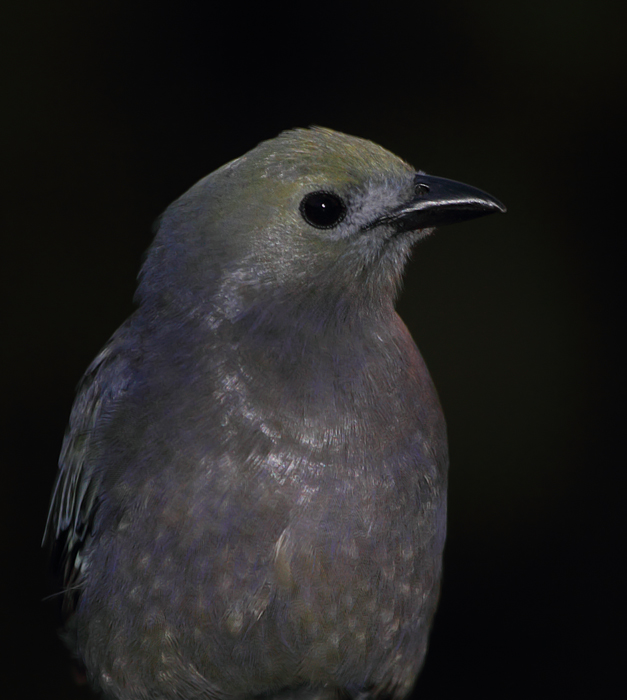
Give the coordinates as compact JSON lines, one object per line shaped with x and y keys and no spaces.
{"x":313,"y":221}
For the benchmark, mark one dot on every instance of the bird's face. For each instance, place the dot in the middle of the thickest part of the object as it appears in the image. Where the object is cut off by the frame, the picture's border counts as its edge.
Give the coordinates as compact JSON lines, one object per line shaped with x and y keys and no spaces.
{"x":313,"y":216}
{"x":307,"y":220}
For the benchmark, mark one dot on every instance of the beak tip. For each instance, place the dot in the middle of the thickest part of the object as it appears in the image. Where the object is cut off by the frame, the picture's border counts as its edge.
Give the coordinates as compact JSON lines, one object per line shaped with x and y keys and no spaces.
{"x":497,"y":208}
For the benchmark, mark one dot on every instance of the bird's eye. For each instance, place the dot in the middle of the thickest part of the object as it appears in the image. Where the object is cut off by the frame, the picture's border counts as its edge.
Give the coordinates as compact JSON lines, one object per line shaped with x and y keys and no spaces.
{"x":322,"y":209}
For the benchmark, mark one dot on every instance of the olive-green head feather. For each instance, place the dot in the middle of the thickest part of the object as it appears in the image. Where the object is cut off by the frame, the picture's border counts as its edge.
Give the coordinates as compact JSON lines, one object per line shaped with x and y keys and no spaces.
{"x":312,"y":218}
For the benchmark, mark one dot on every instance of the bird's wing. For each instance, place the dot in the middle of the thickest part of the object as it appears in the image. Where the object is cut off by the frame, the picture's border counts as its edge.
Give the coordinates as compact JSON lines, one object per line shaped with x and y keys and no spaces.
{"x":75,"y":496}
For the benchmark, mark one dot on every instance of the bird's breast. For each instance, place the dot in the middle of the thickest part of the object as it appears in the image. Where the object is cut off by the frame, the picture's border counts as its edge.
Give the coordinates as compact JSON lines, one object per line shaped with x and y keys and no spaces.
{"x":288,"y":522}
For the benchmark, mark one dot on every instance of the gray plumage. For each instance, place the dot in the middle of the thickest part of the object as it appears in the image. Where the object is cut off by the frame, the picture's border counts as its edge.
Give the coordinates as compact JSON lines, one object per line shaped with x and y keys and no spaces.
{"x":251,"y":497}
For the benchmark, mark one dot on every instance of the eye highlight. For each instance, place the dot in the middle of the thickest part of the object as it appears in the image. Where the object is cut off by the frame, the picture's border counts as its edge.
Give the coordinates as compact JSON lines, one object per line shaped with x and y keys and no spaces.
{"x":322,"y":209}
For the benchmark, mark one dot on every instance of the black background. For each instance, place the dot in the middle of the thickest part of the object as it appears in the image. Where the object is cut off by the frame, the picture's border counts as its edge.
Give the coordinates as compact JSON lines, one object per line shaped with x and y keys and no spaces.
{"x":112,"y":109}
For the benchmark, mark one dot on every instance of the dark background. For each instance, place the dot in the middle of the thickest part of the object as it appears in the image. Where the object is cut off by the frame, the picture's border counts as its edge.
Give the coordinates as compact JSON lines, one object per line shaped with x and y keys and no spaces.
{"x":112,"y":109}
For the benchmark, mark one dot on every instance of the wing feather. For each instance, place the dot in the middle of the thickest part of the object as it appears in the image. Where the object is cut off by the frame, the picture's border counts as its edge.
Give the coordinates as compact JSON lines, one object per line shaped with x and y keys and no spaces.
{"x":76,"y":492}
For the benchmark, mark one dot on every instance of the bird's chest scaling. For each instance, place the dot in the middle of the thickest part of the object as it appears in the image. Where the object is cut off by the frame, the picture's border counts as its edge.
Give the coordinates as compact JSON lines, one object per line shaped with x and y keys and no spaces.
{"x":332,"y":552}
{"x":292,"y":576}
{"x":357,"y":567}
{"x":299,"y":541}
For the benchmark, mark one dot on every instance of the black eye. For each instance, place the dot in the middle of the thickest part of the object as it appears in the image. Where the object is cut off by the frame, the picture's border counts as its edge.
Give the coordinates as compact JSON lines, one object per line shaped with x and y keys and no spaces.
{"x":322,"y":209}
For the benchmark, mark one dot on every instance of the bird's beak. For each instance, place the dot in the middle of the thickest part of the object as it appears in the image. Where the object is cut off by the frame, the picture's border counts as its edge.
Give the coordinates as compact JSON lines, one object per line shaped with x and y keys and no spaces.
{"x":438,"y":202}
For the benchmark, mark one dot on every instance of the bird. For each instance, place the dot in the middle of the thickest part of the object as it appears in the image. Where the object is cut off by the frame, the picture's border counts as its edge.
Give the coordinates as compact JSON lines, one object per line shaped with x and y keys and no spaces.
{"x":251,"y":493}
